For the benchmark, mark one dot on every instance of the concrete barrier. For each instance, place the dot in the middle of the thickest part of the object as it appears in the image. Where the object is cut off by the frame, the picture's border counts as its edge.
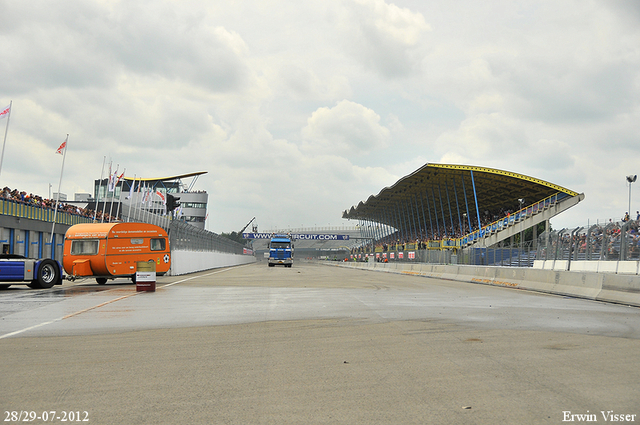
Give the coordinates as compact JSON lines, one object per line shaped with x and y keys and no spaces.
{"x":183,"y":262}
{"x":610,"y":287}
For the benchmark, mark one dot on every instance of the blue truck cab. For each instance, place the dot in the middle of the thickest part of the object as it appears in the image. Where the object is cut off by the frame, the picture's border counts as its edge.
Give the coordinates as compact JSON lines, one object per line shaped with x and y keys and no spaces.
{"x":281,"y":250}
{"x":40,"y":273}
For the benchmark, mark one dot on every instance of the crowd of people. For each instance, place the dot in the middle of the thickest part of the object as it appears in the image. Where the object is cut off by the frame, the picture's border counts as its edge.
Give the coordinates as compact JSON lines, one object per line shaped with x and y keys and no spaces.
{"x":441,"y":232}
{"x":607,"y":241}
{"x":38,"y":201}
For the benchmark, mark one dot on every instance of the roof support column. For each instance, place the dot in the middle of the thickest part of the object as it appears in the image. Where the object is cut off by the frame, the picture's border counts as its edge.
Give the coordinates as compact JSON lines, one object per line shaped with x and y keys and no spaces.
{"x":444,"y":220}
{"x":475,"y":196}
{"x":410,"y":219}
{"x":435,"y":210}
{"x":421,"y":228}
{"x":363,"y":229}
{"x":453,"y":226}
{"x":385,"y":220}
{"x":424,"y":219}
{"x":404,"y":220}
{"x":429,"y":211}
{"x":396,"y":218}
{"x":435,"y":213}
{"x":464,"y":190}
{"x":455,"y":193}
{"x":372,"y":236}
{"x":413,"y":217}
{"x":391,"y":233}
{"x":378,"y":228}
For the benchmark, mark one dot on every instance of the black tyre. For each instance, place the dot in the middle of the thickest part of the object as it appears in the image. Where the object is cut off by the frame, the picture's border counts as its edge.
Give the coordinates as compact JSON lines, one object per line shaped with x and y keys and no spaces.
{"x":101,"y":280}
{"x":3,"y":286}
{"x":47,"y":275}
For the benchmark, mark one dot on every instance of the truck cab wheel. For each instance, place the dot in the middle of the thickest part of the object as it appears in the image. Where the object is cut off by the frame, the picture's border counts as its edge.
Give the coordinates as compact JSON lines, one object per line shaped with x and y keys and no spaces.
{"x":101,"y":280}
{"x":47,"y":275}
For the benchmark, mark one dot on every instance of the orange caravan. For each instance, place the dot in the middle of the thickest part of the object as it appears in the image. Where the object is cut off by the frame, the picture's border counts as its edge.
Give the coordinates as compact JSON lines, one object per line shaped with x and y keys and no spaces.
{"x":110,"y":250}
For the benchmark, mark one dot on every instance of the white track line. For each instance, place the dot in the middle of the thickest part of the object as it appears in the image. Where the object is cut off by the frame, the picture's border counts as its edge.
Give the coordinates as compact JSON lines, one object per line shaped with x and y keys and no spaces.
{"x":109,"y":302}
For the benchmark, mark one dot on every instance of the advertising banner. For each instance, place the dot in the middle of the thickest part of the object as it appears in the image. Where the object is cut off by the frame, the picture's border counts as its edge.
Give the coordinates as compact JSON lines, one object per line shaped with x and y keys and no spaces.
{"x":300,"y":236}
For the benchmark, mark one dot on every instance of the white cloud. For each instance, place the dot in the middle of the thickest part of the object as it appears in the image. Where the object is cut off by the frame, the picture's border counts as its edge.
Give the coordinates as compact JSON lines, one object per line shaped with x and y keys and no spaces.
{"x":347,"y":129}
{"x":385,"y":37}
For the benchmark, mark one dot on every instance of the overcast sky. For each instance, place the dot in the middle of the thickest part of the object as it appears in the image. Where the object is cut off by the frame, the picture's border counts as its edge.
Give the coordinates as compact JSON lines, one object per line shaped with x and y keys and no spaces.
{"x":299,"y":110}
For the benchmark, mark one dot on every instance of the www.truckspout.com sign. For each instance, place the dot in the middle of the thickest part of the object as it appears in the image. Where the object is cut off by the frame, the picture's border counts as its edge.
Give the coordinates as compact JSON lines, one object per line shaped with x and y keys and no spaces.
{"x":310,"y":237}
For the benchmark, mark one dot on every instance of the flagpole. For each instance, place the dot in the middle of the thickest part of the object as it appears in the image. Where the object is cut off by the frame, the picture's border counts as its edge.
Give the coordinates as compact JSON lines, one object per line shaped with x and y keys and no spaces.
{"x":136,"y":195}
{"x":55,"y":211}
{"x":95,"y":212}
{"x":131,"y":192}
{"x":106,"y":192}
{"x":114,"y":191}
{"x":6,"y":130}
{"x":120,"y":197}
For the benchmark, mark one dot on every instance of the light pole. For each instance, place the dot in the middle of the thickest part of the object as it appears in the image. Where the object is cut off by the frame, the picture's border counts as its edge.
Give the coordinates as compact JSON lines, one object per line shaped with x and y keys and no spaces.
{"x":521,"y":201}
{"x":631,"y":179}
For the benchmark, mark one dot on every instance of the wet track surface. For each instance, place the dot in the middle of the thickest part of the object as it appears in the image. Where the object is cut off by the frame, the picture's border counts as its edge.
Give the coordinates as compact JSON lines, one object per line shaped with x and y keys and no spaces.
{"x":315,"y":344}
{"x":251,"y":294}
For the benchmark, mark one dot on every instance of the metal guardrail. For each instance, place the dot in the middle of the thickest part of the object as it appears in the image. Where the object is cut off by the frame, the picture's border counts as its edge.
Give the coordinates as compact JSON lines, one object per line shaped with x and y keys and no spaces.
{"x":471,"y":256}
{"x":511,"y":219}
{"x":182,"y":235}
{"x":612,"y":241}
{"x":18,"y":209}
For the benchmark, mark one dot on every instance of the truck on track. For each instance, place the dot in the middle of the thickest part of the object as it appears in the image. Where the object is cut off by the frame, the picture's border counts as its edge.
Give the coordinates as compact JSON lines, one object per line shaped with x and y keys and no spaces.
{"x":110,"y":250}
{"x":281,"y":250}
{"x":40,"y":273}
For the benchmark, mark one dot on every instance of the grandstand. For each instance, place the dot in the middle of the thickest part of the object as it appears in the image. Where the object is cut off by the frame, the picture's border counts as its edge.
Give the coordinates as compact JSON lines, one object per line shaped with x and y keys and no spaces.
{"x":452,"y":207}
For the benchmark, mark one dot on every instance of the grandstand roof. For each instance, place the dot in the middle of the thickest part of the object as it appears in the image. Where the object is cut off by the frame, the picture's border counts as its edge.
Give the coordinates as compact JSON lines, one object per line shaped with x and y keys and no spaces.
{"x":181,"y":176}
{"x":446,"y":186}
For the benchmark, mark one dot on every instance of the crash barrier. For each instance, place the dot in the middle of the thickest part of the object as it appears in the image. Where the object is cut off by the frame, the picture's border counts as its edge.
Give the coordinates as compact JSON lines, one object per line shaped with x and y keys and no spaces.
{"x":609,"y":287}
{"x":18,"y":209}
{"x":612,"y":241}
{"x":194,"y":250}
{"x":620,"y":267}
{"x":183,"y":262}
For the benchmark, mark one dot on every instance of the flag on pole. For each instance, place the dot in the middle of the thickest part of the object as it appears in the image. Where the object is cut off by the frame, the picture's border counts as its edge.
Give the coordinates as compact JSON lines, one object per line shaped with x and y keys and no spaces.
{"x":113,"y":180}
{"x":4,"y":112}
{"x":164,"y":201}
{"x":131,"y":188}
{"x":62,"y":147}
{"x":63,"y":151}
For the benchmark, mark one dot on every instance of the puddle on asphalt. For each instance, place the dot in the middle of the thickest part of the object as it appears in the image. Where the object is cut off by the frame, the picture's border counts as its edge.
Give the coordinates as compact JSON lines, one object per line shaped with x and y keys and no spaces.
{"x":72,"y":291}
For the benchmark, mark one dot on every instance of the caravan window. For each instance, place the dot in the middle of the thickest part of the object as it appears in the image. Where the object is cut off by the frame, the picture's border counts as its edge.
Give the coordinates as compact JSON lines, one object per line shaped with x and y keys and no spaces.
{"x":84,"y":247}
{"x":157,"y":244}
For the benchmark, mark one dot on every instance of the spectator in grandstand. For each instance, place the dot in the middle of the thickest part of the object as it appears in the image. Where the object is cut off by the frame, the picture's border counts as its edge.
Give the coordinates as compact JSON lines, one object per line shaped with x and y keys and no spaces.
{"x":31,"y":199}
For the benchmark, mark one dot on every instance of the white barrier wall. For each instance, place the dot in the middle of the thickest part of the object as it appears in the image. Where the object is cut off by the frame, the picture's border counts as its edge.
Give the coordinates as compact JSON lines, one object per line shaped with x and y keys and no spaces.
{"x":610,"y":287}
{"x":183,"y":262}
{"x":620,"y":267}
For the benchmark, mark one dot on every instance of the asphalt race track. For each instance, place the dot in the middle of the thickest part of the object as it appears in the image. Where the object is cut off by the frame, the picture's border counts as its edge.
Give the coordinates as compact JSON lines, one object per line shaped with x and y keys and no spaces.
{"x":314,"y":344}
